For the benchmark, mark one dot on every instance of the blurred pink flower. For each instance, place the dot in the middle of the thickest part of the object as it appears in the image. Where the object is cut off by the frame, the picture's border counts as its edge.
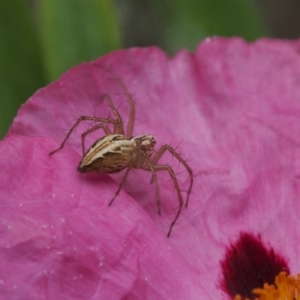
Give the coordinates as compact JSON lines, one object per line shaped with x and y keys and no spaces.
{"x":233,"y":110}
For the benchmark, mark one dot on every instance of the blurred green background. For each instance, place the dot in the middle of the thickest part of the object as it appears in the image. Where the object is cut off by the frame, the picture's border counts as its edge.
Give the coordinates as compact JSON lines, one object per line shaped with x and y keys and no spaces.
{"x":40,"y":39}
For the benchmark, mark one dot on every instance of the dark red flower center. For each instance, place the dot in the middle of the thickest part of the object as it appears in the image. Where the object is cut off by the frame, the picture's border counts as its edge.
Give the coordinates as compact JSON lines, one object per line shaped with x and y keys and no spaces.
{"x":249,"y":265}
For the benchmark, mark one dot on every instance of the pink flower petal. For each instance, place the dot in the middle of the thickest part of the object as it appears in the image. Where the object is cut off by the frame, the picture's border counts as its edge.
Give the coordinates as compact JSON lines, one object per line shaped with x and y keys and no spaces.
{"x":232,"y":108}
{"x":60,"y":240}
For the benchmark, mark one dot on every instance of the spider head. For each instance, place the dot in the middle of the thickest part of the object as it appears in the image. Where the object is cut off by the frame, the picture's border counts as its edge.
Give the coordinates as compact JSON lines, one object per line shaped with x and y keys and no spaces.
{"x":146,"y":142}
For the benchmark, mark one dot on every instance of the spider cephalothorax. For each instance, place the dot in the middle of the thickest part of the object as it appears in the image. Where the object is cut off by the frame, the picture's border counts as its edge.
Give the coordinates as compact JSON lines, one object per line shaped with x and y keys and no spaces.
{"x":118,"y":150}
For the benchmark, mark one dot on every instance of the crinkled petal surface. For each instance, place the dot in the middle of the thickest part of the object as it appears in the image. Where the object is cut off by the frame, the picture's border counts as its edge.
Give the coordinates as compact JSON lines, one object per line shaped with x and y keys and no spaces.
{"x":232,"y":109}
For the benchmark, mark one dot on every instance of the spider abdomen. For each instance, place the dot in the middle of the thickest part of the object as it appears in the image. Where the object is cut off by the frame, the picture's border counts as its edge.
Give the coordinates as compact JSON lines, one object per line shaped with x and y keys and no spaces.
{"x":112,"y":153}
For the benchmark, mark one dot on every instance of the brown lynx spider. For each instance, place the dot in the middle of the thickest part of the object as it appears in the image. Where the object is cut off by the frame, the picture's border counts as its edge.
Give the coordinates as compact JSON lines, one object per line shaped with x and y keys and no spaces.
{"x":118,"y":150}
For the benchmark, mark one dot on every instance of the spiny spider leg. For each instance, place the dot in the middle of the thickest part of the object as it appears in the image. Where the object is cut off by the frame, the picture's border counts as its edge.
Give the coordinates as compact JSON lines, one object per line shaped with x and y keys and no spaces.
{"x":120,"y":185}
{"x":118,"y":128}
{"x":79,"y":120}
{"x":131,"y":119}
{"x":132,"y":164}
{"x":175,"y":182}
{"x":155,"y":180}
{"x":160,"y":152}
{"x":94,"y":128}
{"x":141,"y":159}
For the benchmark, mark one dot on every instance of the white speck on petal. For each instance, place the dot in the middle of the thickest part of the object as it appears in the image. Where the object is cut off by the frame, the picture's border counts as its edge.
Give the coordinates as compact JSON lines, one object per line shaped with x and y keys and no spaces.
{"x":1,"y":281}
{"x":9,"y":227}
{"x":53,"y":196}
{"x":59,"y":252}
{"x":146,"y":278}
{"x":63,"y":220}
{"x":20,"y":204}
{"x":169,"y":248}
{"x":14,"y":286}
{"x":72,"y":195}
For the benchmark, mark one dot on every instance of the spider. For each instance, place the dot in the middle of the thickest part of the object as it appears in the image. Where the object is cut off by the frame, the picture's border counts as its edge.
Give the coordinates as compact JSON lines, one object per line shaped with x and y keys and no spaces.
{"x":119,"y":150}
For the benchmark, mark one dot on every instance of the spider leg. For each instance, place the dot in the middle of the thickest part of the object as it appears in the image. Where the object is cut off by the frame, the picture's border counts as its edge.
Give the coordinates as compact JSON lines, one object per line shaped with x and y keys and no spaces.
{"x":94,"y":128}
{"x":131,"y":118}
{"x":135,"y":162}
{"x":160,"y":152}
{"x":120,"y":186}
{"x":118,"y":128}
{"x":176,"y":185}
{"x":79,"y":120}
{"x":155,"y":180}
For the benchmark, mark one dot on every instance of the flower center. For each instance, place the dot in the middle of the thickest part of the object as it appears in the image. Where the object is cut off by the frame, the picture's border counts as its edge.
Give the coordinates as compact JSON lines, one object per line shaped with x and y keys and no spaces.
{"x":285,"y":288}
{"x":248,"y":264}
